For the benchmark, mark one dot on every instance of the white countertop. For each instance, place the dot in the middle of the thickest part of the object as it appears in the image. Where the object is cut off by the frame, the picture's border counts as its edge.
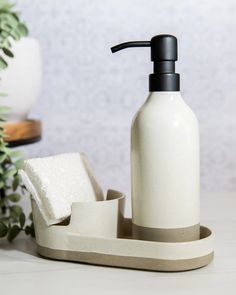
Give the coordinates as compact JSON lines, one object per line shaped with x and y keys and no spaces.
{"x":23,"y":272}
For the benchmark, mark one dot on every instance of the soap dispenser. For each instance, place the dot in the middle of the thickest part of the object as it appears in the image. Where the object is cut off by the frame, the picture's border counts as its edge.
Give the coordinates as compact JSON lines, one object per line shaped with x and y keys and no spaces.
{"x":164,"y":153}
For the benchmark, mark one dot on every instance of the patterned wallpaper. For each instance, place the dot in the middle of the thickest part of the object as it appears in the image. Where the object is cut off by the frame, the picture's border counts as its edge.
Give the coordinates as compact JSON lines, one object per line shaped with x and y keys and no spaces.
{"x":89,"y":96}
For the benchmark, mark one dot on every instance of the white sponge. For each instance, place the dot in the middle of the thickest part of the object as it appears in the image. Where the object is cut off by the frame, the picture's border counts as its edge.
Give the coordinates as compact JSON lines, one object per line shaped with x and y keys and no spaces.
{"x":56,"y":182}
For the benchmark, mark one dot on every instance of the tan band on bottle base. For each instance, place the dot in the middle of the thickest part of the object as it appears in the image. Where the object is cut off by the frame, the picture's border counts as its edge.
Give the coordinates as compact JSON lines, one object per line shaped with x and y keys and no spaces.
{"x":183,"y":234}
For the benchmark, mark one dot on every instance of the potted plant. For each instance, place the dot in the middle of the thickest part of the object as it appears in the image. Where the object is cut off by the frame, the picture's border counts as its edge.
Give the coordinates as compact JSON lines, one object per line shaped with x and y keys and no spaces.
{"x":20,"y":76}
{"x":20,"y":57}
{"x":12,"y":216}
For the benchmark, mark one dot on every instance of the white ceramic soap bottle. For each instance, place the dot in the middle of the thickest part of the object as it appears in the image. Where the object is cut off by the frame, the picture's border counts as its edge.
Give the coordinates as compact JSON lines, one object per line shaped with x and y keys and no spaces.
{"x":164,"y":153}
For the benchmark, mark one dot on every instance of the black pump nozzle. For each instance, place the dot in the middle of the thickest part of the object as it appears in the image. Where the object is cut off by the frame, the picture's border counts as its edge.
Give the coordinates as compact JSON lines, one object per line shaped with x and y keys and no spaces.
{"x":130,"y":44}
{"x":163,"y":54}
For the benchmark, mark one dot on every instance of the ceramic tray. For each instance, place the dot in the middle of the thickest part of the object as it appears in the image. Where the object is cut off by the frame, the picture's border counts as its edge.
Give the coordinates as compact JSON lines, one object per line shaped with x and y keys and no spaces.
{"x":98,"y":233}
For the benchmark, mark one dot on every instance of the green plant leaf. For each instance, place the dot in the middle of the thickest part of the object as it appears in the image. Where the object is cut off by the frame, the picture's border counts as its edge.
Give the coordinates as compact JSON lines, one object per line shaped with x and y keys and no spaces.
{"x":32,"y":231}
{"x":2,"y":204}
{"x":31,"y":216}
{"x":15,"y":212}
{"x":15,"y":34}
{"x":19,"y":164}
{"x":22,"y":219}
{"x":14,"y":197}
{"x":4,"y":110}
{"x":15,"y":154}
{"x":16,"y":182}
{"x":3,"y":229}
{"x":2,"y":184}
{"x":5,"y":43}
{"x":13,"y":232}
{"x":8,"y":52}
{"x":8,"y":20}
{"x":3,"y":158}
{"x":10,"y":172}
{"x":3,"y":63}
{"x":23,"y":29}
{"x":16,"y":16}
{"x":3,"y":149}
{"x":29,"y":230}
{"x":5,"y":34}
{"x":6,"y":6}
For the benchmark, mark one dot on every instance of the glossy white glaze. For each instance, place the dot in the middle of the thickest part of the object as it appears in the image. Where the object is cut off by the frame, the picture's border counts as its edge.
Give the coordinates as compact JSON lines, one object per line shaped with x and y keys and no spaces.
{"x":165,"y":163}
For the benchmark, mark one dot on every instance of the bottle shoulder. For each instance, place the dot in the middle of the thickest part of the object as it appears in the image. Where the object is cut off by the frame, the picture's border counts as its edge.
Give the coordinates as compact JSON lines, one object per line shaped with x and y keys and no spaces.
{"x":165,"y":109}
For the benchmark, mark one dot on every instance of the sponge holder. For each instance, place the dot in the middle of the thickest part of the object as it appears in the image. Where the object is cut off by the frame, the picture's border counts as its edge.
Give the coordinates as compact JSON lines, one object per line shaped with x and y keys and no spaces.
{"x":98,"y":233}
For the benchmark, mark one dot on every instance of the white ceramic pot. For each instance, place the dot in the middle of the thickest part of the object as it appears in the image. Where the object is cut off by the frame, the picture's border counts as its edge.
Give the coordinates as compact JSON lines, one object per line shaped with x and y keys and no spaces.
{"x":21,"y":80}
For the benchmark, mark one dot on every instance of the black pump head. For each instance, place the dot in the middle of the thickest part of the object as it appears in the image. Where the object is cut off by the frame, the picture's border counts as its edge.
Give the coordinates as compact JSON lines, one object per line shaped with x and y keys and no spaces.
{"x":163,"y":54}
{"x":163,"y":47}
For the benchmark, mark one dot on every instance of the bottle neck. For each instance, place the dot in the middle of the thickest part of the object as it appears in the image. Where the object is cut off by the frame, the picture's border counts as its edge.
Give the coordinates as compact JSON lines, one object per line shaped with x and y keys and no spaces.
{"x":164,"y":82}
{"x":166,"y":95}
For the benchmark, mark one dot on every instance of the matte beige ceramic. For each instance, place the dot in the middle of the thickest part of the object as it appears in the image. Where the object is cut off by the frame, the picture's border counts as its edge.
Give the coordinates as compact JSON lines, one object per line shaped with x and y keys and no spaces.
{"x":94,"y":219}
{"x":92,"y":236}
{"x":143,"y":263}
